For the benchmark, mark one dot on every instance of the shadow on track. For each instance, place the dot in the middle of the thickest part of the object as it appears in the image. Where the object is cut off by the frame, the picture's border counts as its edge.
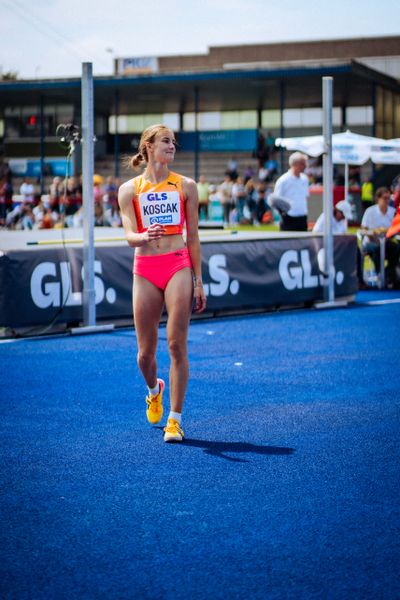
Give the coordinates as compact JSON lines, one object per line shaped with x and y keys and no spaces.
{"x":220,"y":448}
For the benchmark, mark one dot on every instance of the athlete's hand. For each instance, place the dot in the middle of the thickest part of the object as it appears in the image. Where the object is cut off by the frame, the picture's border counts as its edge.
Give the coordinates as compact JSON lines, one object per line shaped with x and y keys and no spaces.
{"x":154,"y":233}
{"x":200,"y":298}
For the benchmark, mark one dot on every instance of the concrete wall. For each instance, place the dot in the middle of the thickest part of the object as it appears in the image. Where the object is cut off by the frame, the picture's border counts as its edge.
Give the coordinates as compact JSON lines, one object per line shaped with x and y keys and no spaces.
{"x":331,"y":49}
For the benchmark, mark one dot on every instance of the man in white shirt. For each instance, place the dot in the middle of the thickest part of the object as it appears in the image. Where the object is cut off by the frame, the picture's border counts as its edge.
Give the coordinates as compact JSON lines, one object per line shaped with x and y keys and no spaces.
{"x":375,"y":222}
{"x":293,"y":187}
{"x":341,"y":214}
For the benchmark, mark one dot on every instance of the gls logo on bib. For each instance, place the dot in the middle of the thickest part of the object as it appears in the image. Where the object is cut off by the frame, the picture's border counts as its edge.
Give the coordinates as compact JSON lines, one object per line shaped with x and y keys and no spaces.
{"x":162,"y":207}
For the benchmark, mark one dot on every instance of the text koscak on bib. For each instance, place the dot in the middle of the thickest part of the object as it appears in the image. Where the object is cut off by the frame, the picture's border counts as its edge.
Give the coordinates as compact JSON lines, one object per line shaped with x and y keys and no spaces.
{"x":160,"y":207}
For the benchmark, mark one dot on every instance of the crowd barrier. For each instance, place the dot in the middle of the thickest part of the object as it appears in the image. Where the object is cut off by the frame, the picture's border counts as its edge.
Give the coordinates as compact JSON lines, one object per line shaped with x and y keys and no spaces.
{"x":41,"y":285}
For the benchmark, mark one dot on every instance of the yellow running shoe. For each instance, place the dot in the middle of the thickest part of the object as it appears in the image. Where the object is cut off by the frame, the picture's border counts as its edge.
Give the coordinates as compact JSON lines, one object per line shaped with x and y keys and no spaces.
{"x":154,"y":411}
{"x":173,"y":431}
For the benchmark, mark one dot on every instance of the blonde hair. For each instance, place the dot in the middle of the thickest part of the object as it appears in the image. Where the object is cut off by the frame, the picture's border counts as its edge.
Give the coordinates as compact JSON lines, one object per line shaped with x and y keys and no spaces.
{"x":147,"y":136}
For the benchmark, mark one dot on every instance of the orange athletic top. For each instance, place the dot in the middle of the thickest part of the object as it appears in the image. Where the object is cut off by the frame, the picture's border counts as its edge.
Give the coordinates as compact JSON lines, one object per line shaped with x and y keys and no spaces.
{"x":162,"y":203}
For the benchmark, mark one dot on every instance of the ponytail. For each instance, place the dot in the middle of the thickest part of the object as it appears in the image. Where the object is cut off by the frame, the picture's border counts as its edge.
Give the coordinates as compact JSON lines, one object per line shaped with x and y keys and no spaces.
{"x":137,"y":160}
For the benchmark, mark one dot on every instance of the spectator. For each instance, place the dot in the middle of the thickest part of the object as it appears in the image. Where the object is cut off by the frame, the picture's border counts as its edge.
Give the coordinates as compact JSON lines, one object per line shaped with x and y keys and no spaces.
{"x":367,"y":194}
{"x":77,"y":218}
{"x":49,"y":219}
{"x":271,"y":166}
{"x":396,"y":191}
{"x":55,"y":192}
{"x":5,"y":172}
{"x":27,"y":191}
{"x":261,"y":203}
{"x":73,"y":199}
{"x":225,"y":196}
{"x":314,"y":170}
{"x":215,"y":212}
{"x":239,"y":197}
{"x":248,"y":174}
{"x":110,"y":197}
{"x":38,"y":213}
{"x":375,"y":222}
{"x":8,"y":192}
{"x":3,"y":206}
{"x":262,"y":150}
{"x":251,"y":199}
{"x":27,"y":218}
{"x":204,"y":195}
{"x":232,"y":170}
{"x":99,"y":219}
{"x":112,"y":217}
{"x":262,"y":174}
{"x":270,"y":144}
{"x":293,"y":187}
{"x":341,"y":214}
{"x":98,"y":193}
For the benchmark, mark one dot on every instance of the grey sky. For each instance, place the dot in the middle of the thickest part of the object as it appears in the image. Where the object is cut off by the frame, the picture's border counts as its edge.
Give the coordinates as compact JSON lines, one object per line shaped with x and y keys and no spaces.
{"x":47,"y":38}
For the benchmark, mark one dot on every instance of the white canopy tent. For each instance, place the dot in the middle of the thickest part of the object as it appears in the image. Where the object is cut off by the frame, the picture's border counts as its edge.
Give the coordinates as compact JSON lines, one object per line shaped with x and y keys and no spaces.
{"x":348,"y":148}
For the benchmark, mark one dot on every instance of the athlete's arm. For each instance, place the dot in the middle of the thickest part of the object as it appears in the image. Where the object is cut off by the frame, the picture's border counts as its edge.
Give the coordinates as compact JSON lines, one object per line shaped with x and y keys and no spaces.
{"x":125,"y":195}
{"x":192,"y":240}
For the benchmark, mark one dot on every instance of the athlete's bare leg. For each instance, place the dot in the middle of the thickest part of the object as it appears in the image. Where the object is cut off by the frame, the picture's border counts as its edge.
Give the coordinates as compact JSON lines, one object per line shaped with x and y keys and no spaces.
{"x":179,"y":301}
{"x":148,"y":303}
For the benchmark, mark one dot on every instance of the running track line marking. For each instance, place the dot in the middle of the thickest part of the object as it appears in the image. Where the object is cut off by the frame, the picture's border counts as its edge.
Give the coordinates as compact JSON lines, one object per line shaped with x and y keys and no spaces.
{"x":389,"y":301}
{"x":370,"y":303}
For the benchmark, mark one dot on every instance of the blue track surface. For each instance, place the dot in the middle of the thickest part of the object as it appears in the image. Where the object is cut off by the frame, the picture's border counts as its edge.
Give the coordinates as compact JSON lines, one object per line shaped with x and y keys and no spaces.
{"x":287,"y":485}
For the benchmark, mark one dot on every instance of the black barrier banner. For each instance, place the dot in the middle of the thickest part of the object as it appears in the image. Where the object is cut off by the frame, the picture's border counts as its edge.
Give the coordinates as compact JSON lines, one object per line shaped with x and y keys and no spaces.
{"x":42,"y":285}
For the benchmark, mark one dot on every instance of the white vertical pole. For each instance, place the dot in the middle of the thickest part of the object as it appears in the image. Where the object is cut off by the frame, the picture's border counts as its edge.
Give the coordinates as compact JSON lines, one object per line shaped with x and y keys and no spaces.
{"x":89,"y":300}
{"x":329,"y":267}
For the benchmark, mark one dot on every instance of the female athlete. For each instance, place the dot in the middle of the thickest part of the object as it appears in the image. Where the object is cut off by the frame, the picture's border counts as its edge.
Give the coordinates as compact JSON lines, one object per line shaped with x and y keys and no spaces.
{"x":154,"y":207}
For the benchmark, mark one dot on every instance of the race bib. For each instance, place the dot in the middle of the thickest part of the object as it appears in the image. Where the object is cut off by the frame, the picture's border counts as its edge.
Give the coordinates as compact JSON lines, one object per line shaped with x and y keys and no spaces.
{"x":160,"y":207}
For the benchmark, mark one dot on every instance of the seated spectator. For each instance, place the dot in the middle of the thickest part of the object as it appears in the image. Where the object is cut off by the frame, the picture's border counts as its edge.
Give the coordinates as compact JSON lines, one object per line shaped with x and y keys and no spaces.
{"x":55,"y":192}
{"x":49,"y":219}
{"x":27,"y":218}
{"x":99,"y":219}
{"x":38,"y":212}
{"x":375,"y":222}
{"x":110,"y":197}
{"x":27,"y":190}
{"x":341,"y":214}
{"x":13,"y":216}
{"x":261,"y":203}
{"x":71,"y":198}
{"x":112,"y":217}
{"x":98,"y":193}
